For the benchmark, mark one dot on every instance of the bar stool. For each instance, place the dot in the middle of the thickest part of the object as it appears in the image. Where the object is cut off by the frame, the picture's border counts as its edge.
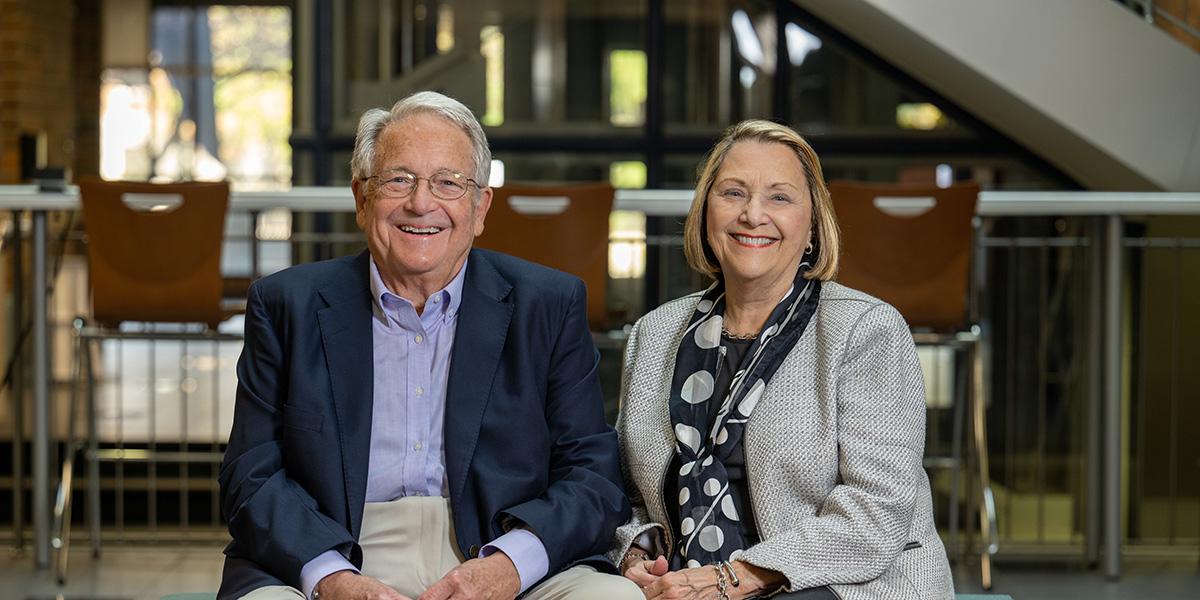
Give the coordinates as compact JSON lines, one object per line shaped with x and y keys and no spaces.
{"x":154,"y":256}
{"x":912,"y":246}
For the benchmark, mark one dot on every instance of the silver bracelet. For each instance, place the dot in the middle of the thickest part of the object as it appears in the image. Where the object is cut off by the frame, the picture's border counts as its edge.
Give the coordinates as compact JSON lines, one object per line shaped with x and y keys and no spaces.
{"x":634,"y":553}
{"x":722,"y":583}
{"x":733,"y":578}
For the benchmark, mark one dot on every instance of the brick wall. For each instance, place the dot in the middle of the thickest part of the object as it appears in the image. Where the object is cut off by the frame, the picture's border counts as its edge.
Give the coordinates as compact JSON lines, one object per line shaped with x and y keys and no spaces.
{"x":42,"y":65}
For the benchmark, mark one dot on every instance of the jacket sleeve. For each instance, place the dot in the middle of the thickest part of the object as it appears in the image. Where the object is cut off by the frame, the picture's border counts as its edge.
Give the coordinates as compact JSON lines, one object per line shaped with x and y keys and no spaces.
{"x":585,"y":500}
{"x":640,"y":521}
{"x":274,"y":522}
{"x":862,"y":526}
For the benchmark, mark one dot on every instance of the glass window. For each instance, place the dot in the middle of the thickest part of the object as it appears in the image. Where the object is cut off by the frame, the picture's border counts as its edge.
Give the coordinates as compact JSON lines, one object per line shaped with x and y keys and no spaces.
{"x":623,"y":171}
{"x":833,"y":91}
{"x":519,"y":64}
{"x":718,"y":62}
{"x":213,"y":103}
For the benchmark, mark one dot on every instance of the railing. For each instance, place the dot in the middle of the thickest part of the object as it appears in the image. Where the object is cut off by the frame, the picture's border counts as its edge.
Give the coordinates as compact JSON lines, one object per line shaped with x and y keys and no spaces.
{"x":1062,"y":419}
{"x":1079,"y":316}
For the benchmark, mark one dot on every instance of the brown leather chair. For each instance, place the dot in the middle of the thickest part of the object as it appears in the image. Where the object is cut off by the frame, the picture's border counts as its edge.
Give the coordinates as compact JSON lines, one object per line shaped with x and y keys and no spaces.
{"x":157,"y":264}
{"x":564,"y":227}
{"x":911,"y":245}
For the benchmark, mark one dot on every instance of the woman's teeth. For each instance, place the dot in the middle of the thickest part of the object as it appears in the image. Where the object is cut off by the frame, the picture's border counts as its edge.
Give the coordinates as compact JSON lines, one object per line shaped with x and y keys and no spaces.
{"x":753,"y":241}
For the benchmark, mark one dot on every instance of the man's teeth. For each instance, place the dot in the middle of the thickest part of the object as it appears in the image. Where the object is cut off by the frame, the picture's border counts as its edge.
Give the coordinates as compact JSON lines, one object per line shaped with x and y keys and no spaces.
{"x":420,"y":230}
{"x":754,"y":241}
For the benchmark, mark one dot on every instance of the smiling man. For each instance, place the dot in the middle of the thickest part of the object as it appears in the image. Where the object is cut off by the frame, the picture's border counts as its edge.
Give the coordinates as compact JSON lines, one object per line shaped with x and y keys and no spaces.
{"x":423,"y":419}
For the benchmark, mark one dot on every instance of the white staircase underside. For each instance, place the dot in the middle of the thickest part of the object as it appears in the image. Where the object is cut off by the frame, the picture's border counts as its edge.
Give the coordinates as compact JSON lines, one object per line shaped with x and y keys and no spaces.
{"x":1110,"y":100}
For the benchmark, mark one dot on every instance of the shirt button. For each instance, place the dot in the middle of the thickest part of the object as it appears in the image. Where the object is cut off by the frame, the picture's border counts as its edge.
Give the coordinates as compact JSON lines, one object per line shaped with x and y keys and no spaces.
{"x":419,"y":391}
{"x":419,"y":339}
{"x":418,"y":493}
{"x":417,"y":446}
{"x":437,"y":299}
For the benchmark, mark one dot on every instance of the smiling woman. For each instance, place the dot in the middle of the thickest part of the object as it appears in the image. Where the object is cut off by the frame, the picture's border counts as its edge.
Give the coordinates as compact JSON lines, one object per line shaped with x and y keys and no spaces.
{"x":786,"y":388}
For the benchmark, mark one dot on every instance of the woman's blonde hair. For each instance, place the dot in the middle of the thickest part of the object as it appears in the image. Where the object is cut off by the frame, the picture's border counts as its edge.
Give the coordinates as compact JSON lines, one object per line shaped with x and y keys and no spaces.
{"x":826,"y":238}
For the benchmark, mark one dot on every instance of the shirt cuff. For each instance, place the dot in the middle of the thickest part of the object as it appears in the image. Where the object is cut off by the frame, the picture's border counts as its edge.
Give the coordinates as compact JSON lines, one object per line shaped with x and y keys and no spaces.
{"x":326,"y":563}
{"x":527,"y":553}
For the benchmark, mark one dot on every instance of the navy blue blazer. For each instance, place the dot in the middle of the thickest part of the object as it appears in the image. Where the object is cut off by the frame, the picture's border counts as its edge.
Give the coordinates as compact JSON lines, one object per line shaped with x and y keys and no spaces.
{"x":525,"y":435}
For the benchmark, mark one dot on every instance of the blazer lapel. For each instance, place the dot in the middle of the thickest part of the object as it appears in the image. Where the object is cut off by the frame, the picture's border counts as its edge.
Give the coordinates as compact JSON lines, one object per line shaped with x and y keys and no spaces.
{"x":483,"y":318}
{"x":347,"y":338}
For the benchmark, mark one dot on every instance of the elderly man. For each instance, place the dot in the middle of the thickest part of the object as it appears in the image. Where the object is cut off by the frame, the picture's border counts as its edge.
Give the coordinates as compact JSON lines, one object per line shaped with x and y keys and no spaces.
{"x":422,"y":419}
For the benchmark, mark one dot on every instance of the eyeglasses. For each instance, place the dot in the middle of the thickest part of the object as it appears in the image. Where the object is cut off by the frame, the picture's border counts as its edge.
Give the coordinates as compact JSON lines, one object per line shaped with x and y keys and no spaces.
{"x":444,"y":184}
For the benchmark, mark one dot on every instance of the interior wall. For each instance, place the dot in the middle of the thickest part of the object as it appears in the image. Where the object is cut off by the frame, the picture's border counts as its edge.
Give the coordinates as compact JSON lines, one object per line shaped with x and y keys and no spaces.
{"x":37,"y":82}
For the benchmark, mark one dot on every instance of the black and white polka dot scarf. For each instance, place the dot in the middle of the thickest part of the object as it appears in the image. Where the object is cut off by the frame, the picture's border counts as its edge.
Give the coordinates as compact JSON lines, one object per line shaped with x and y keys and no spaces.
{"x":708,"y":529}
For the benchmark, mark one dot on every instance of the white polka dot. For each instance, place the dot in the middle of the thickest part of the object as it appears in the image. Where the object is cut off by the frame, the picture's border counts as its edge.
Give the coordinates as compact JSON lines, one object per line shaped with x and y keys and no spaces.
{"x":687,"y":526}
{"x":698,"y":387}
{"x":722,"y":435}
{"x":704,"y":306}
{"x":688,"y":436}
{"x":684,"y":494}
{"x":728,"y":508}
{"x":693,"y":564}
{"x":771,"y":330}
{"x":708,"y":334}
{"x":712,"y":487}
{"x":752,"y":397}
{"x":707,"y":461}
{"x":736,"y":554}
{"x":711,"y":538}
{"x":687,"y":468}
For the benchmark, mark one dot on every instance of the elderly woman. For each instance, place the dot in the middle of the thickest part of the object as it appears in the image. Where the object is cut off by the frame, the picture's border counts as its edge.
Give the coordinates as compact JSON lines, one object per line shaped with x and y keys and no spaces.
{"x":772,"y":426}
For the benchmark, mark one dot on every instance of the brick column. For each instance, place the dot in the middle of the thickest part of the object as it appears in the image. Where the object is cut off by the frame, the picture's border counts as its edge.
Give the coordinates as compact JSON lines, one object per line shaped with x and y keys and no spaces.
{"x":38,"y":80}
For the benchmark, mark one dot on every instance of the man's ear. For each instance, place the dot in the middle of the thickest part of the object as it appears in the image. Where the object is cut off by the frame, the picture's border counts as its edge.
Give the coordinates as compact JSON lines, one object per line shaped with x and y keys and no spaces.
{"x":481,"y":209}
{"x":359,"y":189}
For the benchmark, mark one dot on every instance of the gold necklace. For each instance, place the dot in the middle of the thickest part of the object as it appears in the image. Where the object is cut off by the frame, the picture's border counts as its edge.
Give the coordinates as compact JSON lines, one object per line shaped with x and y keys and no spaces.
{"x":737,"y":336}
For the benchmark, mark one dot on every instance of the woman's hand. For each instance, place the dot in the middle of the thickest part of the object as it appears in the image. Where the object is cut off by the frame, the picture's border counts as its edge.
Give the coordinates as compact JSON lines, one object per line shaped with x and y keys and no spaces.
{"x":645,"y":572}
{"x":700,"y":583}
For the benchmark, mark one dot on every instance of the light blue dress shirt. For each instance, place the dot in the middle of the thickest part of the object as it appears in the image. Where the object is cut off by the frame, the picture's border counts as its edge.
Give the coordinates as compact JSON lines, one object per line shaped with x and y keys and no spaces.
{"x":412,"y":366}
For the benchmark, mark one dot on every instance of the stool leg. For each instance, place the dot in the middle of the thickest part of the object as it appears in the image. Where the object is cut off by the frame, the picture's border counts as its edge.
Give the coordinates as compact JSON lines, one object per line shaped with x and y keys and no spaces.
{"x":61,"y":539}
{"x":961,"y":391}
{"x":93,"y":462}
{"x":987,"y":506}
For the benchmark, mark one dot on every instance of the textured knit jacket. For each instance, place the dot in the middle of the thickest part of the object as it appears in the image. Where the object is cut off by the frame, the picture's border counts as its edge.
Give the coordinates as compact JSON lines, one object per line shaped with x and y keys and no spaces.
{"x":833,"y":451}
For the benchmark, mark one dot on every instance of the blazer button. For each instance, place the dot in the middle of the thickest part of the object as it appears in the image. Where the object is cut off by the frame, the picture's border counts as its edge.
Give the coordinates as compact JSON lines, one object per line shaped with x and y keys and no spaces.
{"x":473,"y":551}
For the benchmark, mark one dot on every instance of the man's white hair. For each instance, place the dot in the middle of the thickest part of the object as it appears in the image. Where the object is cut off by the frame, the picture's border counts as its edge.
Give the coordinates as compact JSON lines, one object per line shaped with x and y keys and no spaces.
{"x":375,"y":120}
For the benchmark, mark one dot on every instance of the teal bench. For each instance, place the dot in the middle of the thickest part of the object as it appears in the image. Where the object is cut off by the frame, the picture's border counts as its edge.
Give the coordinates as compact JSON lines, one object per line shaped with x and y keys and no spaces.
{"x":206,"y":596}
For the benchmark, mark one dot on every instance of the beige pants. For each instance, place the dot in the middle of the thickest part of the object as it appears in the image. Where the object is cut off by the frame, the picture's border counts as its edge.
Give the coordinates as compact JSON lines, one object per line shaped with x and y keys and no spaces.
{"x":408,"y":544}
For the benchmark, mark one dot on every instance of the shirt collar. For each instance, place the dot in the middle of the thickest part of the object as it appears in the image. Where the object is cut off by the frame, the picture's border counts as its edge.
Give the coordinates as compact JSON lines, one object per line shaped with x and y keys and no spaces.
{"x":451,"y":295}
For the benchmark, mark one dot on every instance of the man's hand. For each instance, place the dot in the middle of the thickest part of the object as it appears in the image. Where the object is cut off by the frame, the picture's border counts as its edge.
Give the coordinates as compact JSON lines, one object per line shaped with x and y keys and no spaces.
{"x":646,"y":572}
{"x":348,"y":585}
{"x":493,"y":577}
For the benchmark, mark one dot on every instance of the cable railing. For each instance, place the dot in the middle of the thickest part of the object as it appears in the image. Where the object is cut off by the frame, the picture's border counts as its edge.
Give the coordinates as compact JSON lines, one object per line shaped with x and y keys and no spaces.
{"x":1056,"y":318}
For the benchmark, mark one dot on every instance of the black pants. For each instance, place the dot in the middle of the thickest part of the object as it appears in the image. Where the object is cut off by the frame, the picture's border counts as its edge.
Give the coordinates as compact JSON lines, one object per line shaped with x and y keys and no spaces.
{"x":819,"y":593}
